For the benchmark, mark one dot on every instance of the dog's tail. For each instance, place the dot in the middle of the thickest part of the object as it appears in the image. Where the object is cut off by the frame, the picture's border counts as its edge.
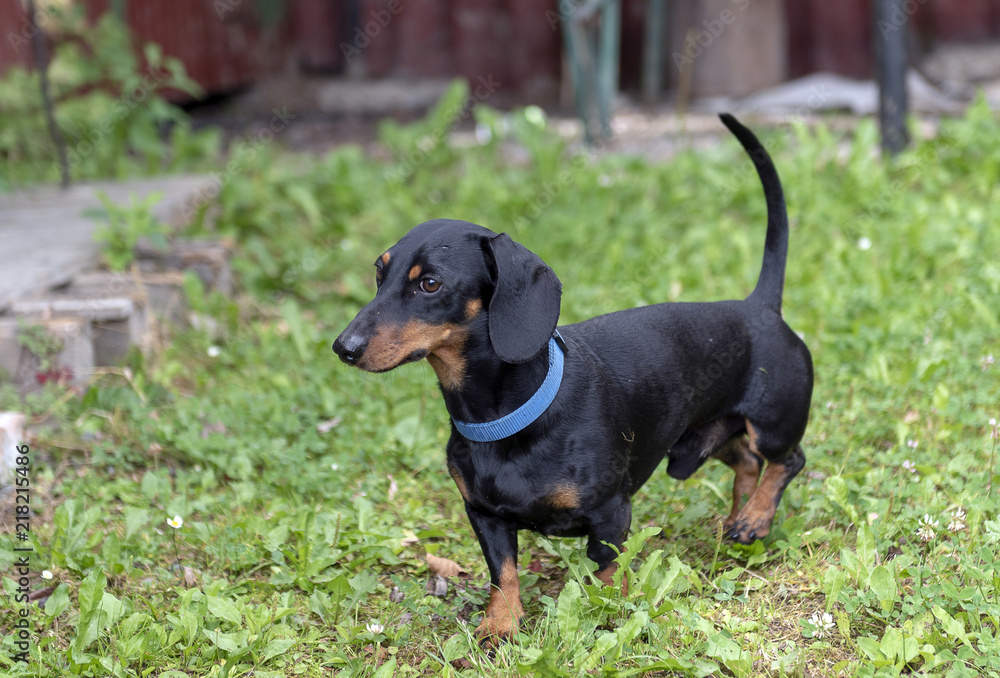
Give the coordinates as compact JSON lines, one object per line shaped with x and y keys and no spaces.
{"x":772,"y":273}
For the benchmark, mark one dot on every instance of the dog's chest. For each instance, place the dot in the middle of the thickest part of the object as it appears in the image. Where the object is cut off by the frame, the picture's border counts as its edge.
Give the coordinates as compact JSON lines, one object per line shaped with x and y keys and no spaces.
{"x":541,"y":500}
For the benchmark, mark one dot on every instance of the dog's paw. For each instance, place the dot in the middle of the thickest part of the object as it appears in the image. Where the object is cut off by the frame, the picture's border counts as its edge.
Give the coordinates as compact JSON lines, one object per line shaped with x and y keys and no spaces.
{"x":491,"y":632}
{"x":746,"y":531}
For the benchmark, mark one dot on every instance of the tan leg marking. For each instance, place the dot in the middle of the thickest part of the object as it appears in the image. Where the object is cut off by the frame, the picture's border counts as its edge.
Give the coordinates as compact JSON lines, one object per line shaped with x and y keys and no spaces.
{"x":459,"y":480}
{"x":755,"y":518}
{"x":752,"y":432}
{"x":504,"y":611}
{"x":746,"y":465}
{"x":606,"y":576}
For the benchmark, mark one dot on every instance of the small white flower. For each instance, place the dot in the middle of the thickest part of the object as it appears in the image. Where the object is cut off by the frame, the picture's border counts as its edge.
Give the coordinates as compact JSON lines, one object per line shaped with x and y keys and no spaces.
{"x":823,"y":623}
{"x":957,"y":523}
{"x":926,"y":528}
{"x":175,"y":522}
{"x":910,"y":466}
{"x":214,"y":351}
{"x":46,"y":574}
{"x":375,"y":627}
{"x":986,"y":361}
{"x":335,"y":467}
{"x":912,"y":444}
{"x":484,"y":133}
{"x":605,"y":181}
{"x":864,"y":243}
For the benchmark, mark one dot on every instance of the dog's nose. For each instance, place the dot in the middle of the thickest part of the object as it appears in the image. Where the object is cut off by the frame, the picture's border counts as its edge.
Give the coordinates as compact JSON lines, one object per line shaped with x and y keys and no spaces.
{"x":350,"y":348}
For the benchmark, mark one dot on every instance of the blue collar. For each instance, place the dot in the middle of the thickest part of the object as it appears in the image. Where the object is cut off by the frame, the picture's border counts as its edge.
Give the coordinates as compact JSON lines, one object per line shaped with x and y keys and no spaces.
{"x":519,"y":419}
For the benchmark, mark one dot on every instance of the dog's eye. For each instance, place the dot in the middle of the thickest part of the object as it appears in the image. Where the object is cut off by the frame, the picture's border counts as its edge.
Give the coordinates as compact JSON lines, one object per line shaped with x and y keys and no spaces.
{"x":430,"y":285}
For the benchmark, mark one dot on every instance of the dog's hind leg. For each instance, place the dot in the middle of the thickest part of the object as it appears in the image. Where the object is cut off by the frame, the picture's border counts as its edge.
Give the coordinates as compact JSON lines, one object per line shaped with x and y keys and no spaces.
{"x":754,"y":520}
{"x":747,"y":466}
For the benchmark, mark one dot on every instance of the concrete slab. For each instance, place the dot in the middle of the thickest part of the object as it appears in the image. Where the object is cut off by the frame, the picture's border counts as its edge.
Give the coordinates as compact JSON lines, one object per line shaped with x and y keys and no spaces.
{"x":47,"y":237}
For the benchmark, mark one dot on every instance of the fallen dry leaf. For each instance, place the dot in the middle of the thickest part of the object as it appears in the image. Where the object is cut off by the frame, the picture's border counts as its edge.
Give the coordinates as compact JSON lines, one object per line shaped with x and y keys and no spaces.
{"x":410,"y":539}
{"x":190,"y":578}
{"x":443,"y":566}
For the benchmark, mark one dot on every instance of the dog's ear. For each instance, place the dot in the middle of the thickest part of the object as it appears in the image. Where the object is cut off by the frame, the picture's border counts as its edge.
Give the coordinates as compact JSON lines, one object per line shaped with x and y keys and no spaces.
{"x":524,"y":309}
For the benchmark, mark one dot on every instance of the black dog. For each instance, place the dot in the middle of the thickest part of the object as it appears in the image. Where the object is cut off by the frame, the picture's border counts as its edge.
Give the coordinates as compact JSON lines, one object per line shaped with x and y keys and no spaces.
{"x":553,"y":431}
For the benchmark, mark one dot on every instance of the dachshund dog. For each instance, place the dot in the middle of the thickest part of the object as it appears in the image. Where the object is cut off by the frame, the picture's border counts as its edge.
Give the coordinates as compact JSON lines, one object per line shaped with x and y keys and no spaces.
{"x":554,"y":430}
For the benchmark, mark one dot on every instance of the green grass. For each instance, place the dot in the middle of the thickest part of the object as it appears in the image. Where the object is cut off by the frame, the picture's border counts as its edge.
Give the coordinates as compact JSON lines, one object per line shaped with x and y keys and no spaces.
{"x":310,"y":492}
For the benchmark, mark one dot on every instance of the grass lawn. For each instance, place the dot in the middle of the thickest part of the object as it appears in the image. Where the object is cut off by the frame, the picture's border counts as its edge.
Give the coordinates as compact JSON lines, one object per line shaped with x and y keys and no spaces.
{"x":311,"y":492}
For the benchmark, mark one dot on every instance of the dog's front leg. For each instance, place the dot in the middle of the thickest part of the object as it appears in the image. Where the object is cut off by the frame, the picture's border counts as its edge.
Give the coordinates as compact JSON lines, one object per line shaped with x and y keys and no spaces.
{"x":609,"y":526}
{"x":498,"y":539}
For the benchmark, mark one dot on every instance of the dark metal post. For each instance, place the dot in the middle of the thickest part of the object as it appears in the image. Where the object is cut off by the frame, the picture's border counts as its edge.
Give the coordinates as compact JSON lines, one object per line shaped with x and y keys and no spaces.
{"x":42,"y":63}
{"x":652,"y":51}
{"x":608,"y":51}
{"x":890,"y":59}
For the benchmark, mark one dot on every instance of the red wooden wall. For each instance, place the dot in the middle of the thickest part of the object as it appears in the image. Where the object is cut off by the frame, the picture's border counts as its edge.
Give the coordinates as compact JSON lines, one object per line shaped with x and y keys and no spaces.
{"x":225,"y":45}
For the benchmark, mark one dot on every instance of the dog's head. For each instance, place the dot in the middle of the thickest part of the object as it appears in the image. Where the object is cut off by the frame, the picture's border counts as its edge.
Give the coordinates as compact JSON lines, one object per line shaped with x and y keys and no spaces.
{"x":443,"y":281}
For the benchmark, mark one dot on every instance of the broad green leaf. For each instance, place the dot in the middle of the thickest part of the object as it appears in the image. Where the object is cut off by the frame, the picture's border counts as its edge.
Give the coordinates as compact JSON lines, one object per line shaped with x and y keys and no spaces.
{"x":883,"y":584}
{"x":568,"y":609}
{"x":91,"y":590}
{"x":277,"y":647}
{"x":223,"y":609}
{"x":58,"y":601}
{"x":953,"y":627}
{"x":834,"y":580}
{"x":228,"y":642}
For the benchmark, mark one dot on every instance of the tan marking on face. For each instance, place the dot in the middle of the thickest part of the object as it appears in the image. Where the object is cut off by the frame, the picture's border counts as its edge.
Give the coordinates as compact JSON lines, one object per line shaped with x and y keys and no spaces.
{"x":459,"y":480}
{"x":472,"y":308}
{"x":385,"y":258}
{"x":448,"y":361}
{"x":564,"y":497}
{"x":504,"y":611}
{"x":444,"y":344}
{"x":415,"y":272}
